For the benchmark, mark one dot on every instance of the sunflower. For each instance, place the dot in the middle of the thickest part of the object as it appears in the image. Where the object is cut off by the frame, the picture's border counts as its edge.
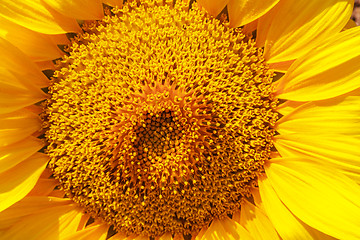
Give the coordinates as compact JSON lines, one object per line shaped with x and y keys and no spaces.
{"x":179,"y":120}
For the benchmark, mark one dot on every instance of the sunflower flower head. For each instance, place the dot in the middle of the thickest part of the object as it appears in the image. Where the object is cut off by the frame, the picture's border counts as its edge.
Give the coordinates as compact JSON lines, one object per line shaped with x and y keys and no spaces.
{"x":160,"y":118}
{"x":179,"y":120}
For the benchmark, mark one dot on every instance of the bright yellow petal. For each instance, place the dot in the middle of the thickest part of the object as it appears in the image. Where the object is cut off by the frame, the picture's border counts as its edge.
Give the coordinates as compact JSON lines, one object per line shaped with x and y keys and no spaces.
{"x":256,"y":222}
{"x":45,"y":65}
{"x":338,"y":151}
{"x":333,"y":56}
{"x":37,"y":46}
{"x":84,"y":220}
{"x":166,"y":236}
{"x":350,"y":24}
{"x":43,"y":187}
{"x":321,"y":197}
{"x":96,"y":232}
{"x":114,"y":3}
{"x":60,"y":39}
{"x":224,"y":229}
{"x":29,"y":206}
{"x":80,"y":9}
{"x":294,"y":27}
{"x":214,"y":7}
{"x":250,"y":27}
{"x":14,"y":96}
{"x":54,"y":223}
{"x":242,"y":12}
{"x":282,"y":67}
{"x":286,"y":224}
{"x":328,"y":71}
{"x":14,"y":154}
{"x":334,"y":116}
{"x":288,"y":107}
{"x":17,"y":125}
{"x":19,"y":180}
{"x":27,"y":74}
{"x":35,"y":15}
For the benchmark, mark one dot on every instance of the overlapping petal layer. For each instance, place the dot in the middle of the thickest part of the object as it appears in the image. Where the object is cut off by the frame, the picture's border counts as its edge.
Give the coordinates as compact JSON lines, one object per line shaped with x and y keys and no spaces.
{"x":242,"y":12}
{"x":327,"y":71}
{"x":337,"y":151}
{"x":18,"y":181}
{"x":255,"y":221}
{"x":286,"y":224}
{"x":94,"y":232}
{"x":54,"y":223}
{"x":224,"y":229}
{"x":37,"y":46}
{"x":37,"y":16}
{"x":16,"y":126}
{"x":13,"y":154}
{"x":213,"y":7}
{"x":21,"y":70}
{"x":319,"y":196}
{"x":80,"y":9}
{"x":113,"y":3}
{"x":334,"y":116}
{"x":294,"y":27}
{"x":29,"y":206}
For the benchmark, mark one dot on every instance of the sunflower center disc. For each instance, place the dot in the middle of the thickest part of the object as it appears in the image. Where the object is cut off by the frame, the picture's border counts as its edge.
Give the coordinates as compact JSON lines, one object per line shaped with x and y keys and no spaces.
{"x":160,"y":119}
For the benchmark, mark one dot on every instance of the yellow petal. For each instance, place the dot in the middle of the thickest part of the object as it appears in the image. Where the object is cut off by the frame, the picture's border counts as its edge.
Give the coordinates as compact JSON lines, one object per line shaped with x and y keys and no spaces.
{"x":166,"y":236}
{"x":224,"y":229}
{"x":292,"y":28}
{"x":328,"y":71}
{"x":242,"y":12}
{"x":54,"y":223}
{"x":14,"y":98}
{"x":29,"y":206}
{"x":257,"y":198}
{"x":96,"y":232}
{"x":339,"y":151}
{"x":282,"y":67}
{"x":43,"y":187}
{"x":80,"y":9}
{"x":321,"y":197}
{"x":37,"y":46}
{"x":350,"y":24}
{"x":286,"y":224}
{"x":35,"y":15}
{"x":84,"y":220}
{"x":14,"y":154}
{"x":17,"y":125}
{"x":45,"y":65}
{"x":19,"y":180}
{"x":333,"y":116}
{"x":250,"y":27}
{"x":113,"y":3}
{"x":290,"y":219}
{"x":214,"y":7}
{"x":27,"y":74}
{"x":256,"y":222}
{"x":60,"y":39}
{"x":288,"y":107}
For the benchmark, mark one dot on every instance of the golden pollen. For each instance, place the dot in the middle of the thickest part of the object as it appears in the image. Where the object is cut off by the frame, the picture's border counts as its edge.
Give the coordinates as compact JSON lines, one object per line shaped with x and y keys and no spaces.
{"x":160,"y":119}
